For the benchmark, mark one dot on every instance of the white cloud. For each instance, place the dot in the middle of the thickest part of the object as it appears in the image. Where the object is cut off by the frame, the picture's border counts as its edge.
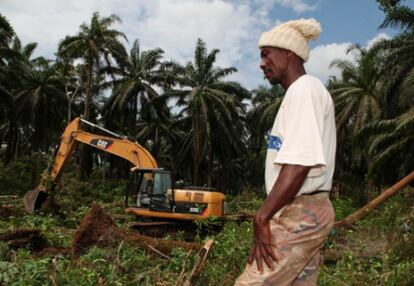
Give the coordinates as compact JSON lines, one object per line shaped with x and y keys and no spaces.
{"x":231,"y":26}
{"x":322,"y":56}
{"x":175,"y":26}
{"x":299,"y":6}
{"x":377,"y":38}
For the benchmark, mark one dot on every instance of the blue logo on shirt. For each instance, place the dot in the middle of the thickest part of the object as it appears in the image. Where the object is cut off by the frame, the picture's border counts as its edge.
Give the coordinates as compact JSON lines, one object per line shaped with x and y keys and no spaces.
{"x":274,"y":143}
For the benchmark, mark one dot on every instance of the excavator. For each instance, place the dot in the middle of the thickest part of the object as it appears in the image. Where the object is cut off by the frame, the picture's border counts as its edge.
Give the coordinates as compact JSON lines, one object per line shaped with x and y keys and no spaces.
{"x":150,"y":192}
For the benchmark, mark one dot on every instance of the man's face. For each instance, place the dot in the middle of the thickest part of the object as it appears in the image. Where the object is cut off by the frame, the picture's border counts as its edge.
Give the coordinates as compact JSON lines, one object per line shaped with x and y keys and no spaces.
{"x":274,"y":63}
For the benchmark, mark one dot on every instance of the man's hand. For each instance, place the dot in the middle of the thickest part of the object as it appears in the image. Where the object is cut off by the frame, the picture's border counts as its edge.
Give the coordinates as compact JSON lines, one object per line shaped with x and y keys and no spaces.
{"x":262,"y":247}
{"x":287,"y":185}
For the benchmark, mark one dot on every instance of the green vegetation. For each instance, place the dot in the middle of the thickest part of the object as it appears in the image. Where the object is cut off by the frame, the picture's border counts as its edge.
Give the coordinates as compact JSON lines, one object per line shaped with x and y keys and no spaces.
{"x":208,"y":131}
{"x":378,"y":251}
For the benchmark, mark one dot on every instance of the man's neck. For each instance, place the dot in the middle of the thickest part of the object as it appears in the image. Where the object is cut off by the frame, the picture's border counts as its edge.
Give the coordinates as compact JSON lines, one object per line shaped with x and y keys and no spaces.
{"x":292,"y":75}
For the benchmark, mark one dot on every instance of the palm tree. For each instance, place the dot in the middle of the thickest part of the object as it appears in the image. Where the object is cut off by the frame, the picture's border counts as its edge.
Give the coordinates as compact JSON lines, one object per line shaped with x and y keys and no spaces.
{"x":211,"y":111}
{"x":134,"y":87}
{"x":6,"y":36}
{"x":392,"y":147}
{"x":156,"y":130}
{"x":396,"y":60}
{"x":94,"y":44}
{"x":8,"y":124}
{"x":41,"y":103}
{"x":16,"y":62}
{"x":391,"y":144}
{"x":357,"y":96}
{"x":8,"y":129}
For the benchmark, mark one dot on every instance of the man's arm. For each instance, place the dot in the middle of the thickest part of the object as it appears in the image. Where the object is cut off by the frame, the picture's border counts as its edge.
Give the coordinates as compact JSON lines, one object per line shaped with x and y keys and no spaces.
{"x":291,"y":178}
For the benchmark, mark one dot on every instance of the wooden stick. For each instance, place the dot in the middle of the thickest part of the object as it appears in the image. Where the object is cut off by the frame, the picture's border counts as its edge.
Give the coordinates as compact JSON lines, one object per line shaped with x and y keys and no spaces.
{"x":349,"y":220}
{"x":202,"y":255}
{"x":117,"y":259}
{"x":180,"y":277}
{"x":158,"y":252}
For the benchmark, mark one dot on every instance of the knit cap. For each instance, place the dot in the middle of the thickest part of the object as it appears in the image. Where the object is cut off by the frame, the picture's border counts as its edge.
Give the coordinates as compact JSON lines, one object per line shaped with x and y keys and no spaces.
{"x":292,"y":35}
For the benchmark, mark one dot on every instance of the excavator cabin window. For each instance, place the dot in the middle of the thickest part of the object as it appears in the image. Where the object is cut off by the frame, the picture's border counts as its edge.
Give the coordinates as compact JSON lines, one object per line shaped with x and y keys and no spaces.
{"x":150,"y":189}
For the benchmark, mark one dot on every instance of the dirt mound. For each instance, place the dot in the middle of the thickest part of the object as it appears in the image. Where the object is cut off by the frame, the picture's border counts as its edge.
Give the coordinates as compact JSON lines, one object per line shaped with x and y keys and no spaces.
{"x":30,"y":238}
{"x":6,"y":211}
{"x":9,"y":210}
{"x":96,"y":228}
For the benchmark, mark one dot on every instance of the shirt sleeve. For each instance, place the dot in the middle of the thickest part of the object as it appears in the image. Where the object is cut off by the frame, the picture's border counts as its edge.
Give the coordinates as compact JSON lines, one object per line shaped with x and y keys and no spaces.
{"x":302,"y":142}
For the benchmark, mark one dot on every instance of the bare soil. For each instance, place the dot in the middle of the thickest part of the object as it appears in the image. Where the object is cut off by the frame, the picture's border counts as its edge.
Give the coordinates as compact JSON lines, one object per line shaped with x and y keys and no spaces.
{"x":33,"y":239}
{"x":96,"y":228}
{"x":8,"y":210}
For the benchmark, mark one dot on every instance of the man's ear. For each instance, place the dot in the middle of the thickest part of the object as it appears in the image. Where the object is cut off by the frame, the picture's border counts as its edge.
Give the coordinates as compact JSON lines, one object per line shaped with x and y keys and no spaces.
{"x":290,"y":54}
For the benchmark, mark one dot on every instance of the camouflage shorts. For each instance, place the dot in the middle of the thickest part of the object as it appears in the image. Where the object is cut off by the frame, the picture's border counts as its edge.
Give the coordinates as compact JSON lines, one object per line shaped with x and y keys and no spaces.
{"x":299,"y":230}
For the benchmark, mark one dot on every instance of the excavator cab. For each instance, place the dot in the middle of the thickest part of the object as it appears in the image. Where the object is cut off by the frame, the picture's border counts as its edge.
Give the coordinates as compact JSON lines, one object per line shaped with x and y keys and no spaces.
{"x":150,"y":189}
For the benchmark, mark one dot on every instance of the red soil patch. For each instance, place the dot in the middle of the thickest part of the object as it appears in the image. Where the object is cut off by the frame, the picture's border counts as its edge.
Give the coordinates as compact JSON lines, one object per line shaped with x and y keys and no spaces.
{"x":96,"y":228}
{"x":30,"y":238}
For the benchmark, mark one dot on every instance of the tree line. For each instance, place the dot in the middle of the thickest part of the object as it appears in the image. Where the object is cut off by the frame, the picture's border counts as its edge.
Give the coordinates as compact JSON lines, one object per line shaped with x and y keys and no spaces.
{"x":208,"y":130}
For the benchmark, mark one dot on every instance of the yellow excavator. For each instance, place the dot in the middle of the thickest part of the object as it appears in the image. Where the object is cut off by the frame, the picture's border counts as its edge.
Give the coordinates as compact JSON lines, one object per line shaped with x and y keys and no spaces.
{"x":150,"y":192}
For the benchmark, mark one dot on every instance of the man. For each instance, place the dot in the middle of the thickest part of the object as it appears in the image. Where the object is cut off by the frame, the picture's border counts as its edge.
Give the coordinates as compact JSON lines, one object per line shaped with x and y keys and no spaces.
{"x":297,"y":216}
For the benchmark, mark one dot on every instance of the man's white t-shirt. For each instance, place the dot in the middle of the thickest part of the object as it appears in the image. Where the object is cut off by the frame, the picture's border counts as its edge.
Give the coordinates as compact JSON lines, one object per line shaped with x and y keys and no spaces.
{"x":304,"y":133}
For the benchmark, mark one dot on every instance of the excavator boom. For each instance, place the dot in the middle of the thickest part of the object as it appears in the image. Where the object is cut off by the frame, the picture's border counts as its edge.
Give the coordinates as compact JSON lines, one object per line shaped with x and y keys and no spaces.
{"x":137,"y":155}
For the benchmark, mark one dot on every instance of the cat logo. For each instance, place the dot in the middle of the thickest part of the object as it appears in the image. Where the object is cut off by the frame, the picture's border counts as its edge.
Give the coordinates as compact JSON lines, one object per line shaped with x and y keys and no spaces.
{"x":101,"y":143}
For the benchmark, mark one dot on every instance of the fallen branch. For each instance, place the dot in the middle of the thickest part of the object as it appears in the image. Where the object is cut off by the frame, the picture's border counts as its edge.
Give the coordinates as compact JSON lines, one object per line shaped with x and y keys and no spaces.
{"x":117,"y":260}
{"x":180,"y":277}
{"x":242,"y":216}
{"x":349,"y":220}
{"x":158,"y":252}
{"x":202,"y":255}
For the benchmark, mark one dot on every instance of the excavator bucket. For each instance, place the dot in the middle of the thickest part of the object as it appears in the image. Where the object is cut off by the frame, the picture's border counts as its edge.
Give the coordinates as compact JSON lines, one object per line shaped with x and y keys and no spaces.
{"x":34,"y":199}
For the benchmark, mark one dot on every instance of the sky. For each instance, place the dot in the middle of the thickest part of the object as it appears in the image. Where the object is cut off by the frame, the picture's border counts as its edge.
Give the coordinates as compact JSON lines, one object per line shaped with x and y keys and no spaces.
{"x":232,"y":26}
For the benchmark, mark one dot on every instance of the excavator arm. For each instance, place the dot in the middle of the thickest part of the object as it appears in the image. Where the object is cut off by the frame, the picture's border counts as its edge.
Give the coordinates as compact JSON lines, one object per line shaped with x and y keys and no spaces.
{"x":137,"y":155}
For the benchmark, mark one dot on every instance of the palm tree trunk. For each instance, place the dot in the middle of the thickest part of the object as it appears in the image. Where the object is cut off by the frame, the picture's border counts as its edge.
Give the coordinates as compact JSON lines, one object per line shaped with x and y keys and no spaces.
{"x":88,"y":101}
{"x":86,"y":159}
{"x":156,"y":143}
{"x":196,"y":150}
{"x":210,"y":166}
{"x":135,"y":115}
{"x":70,"y":101}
